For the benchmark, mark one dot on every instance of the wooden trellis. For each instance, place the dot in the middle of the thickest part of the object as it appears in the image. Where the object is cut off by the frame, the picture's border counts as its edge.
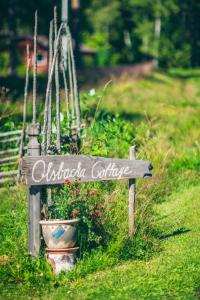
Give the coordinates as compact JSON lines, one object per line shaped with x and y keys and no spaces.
{"x":68,"y":76}
{"x":61,"y":72}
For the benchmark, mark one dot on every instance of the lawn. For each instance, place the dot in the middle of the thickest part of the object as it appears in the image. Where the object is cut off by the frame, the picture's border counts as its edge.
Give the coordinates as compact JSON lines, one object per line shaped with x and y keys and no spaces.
{"x":161,"y":116}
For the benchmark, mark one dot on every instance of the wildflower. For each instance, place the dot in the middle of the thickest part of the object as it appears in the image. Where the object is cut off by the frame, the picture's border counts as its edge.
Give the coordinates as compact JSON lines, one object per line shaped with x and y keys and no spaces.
{"x":71,"y":192}
{"x":97,"y":203}
{"x":75,"y":212}
{"x":92,"y":92}
{"x":94,"y":193}
{"x":72,"y":202}
{"x":66,"y":181}
{"x":95,"y":213}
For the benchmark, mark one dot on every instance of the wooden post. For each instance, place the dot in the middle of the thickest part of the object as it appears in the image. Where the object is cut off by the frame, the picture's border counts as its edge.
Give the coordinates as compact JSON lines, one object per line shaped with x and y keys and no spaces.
{"x":131,"y":199}
{"x":34,"y":197}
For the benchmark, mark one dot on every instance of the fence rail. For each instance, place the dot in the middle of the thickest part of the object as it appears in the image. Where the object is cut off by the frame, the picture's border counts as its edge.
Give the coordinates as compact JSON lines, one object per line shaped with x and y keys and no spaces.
{"x":10,"y":144}
{"x":16,"y":132}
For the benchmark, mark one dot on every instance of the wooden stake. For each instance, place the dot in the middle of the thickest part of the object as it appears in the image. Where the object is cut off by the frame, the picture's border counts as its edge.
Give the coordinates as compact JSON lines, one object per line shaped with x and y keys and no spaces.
{"x":76,"y":95}
{"x":131,"y":199}
{"x":25,"y":101}
{"x":58,"y":144}
{"x":66,"y":95}
{"x":51,"y":71}
{"x":72,"y":121}
{"x":46,"y":135}
{"x":35,"y":69}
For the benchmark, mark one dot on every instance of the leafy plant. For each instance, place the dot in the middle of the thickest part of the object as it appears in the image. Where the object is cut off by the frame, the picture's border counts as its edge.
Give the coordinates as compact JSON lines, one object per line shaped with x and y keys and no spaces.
{"x":76,"y":200}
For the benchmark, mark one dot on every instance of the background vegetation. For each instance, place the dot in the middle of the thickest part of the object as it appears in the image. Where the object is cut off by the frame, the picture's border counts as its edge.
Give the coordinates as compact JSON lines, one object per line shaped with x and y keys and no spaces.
{"x":121,"y":31}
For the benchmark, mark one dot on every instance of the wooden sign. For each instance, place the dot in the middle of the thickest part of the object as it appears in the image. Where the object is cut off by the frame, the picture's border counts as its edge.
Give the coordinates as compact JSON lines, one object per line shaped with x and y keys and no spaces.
{"x":48,"y":170}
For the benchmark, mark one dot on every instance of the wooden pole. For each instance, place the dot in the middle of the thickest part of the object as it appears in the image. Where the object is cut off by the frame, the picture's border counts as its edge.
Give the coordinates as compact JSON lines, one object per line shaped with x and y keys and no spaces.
{"x":35,"y":68}
{"x":49,"y":125}
{"x":46,"y":135}
{"x":57,"y":84}
{"x":21,"y":147}
{"x":75,"y":87}
{"x":64,"y":16}
{"x":72,"y":121}
{"x":34,"y":197}
{"x":131,"y":199}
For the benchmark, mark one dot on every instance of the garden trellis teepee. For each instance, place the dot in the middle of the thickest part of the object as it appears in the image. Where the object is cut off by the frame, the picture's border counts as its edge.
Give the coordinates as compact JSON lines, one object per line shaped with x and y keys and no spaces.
{"x":61,"y":72}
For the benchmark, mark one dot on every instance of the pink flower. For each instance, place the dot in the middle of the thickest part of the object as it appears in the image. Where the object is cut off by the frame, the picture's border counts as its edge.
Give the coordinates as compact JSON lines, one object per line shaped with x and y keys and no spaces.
{"x":66,"y":181}
{"x":95,"y":213}
{"x":75,"y":212}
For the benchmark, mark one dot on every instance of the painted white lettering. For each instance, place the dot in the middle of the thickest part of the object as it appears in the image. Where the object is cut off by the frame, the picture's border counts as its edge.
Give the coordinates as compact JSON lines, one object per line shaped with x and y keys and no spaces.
{"x":41,"y":168}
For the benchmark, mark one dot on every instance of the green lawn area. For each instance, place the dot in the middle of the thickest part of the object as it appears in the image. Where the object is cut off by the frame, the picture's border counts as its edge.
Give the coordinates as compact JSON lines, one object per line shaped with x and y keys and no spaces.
{"x":172,"y":274}
{"x":163,"y":259}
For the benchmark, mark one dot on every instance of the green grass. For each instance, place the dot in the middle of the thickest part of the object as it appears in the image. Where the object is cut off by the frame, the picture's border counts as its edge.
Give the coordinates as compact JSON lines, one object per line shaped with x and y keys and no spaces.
{"x":163,"y":260}
{"x":171,"y":274}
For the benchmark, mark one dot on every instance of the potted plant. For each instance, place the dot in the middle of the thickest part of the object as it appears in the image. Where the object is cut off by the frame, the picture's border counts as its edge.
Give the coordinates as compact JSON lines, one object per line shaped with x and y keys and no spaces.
{"x":72,"y":206}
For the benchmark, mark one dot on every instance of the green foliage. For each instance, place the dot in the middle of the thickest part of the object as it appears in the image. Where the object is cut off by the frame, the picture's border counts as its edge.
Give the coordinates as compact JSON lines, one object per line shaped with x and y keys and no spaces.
{"x":121,"y":31}
{"x":128,"y":31}
{"x":78,"y":200}
{"x":102,"y":137}
{"x":4,"y":62}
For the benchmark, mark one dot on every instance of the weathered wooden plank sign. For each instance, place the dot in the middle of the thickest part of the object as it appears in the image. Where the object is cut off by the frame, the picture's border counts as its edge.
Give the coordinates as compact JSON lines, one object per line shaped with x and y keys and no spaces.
{"x":48,"y":170}
{"x":38,"y":171}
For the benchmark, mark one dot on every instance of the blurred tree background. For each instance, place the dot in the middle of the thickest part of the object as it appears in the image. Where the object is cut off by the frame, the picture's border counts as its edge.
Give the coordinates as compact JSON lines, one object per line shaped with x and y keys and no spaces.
{"x":121,"y":31}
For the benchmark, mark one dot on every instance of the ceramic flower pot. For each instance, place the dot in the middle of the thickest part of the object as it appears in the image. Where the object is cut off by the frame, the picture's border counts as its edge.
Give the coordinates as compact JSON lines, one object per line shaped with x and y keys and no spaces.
{"x":59,"y":234}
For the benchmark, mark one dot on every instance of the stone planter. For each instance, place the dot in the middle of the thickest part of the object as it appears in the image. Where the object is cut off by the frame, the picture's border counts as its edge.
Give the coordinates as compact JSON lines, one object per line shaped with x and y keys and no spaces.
{"x":59,"y":234}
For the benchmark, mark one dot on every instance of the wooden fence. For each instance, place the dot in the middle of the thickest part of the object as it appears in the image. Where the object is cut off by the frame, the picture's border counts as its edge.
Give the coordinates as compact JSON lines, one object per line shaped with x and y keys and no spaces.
{"x":11,"y":149}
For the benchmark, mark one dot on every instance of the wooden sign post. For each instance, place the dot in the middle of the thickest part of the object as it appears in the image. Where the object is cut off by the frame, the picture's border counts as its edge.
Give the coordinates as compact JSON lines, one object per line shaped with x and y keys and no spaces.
{"x":34,"y":196}
{"x":38,"y":171}
{"x":131,"y":197}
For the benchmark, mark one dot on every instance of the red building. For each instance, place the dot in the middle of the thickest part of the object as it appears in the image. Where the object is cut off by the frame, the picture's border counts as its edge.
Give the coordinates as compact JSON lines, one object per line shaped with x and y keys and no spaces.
{"x":42,"y":51}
